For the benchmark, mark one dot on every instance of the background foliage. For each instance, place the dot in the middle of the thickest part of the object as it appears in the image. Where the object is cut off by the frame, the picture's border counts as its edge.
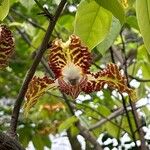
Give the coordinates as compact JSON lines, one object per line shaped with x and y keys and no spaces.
{"x":113,"y":30}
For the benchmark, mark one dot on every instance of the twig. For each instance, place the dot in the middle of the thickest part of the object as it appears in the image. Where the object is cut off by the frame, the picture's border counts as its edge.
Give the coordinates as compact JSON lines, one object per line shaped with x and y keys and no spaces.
{"x":115,"y":114}
{"x":30,"y":73}
{"x":8,"y":143}
{"x":134,"y":112}
{"x":139,"y":79}
{"x":46,"y":12}
{"x":112,"y":55}
{"x":28,"y":20}
{"x":123,"y":100}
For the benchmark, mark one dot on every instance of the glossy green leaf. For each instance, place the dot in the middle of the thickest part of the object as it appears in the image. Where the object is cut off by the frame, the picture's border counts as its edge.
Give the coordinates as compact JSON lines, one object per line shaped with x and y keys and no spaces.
{"x":4,"y":9}
{"x":143,"y":17}
{"x":92,"y":23}
{"x":67,"y":123}
{"x":114,"y":7}
{"x":110,"y":38}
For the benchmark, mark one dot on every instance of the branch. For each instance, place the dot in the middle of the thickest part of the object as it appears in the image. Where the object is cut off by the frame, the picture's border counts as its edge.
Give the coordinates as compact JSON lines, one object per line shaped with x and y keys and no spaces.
{"x":103,"y":116}
{"x":83,"y":131}
{"x":114,"y":115}
{"x":30,"y":73}
{"x":8,"y":143}
{"x":139,"y":79}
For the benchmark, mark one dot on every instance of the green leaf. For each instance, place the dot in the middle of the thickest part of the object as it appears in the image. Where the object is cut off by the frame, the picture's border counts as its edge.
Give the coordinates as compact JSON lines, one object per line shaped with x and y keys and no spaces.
{"x":38,"y":142}
{"x":1,"y":1}
{"x":143,"y":62}
{"x":112,"y":35}
{"x":67,"y":123}
{"x":112,"y":129}
{"x":39,"y":36}
{"x":114,"y":7}
{"x":66,"y":21}
{"x":92,"y":23}
{"x":132,"y":22}
{"x":4,"y":9}
{"x":25,"y":135}
{"x":105,"y":111}
{"x":143,"y":17}
{"x":27,"y":3}
{"x":74,"y":131}
{"x":65,"y":25}
{"x":46,"y":141}
{"x":13,"y":1}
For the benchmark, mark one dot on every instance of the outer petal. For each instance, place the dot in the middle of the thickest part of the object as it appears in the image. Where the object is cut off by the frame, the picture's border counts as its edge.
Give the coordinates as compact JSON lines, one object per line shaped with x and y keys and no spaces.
{"x":71,"y":52}
{"x":37,"y":87}
{"x":110,"y":76}
{"x":6,"y":45}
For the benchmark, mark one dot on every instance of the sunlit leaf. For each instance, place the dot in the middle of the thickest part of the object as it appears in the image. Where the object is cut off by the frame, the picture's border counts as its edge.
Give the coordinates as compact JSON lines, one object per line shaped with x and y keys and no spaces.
{"x":4,"y":9}
{"x":132,"y":22}
{"x":92,"y":23}
{"x":114,"y":7}
{"x":143,"y":17}
{"x":112,"y":35}
{"x":143,"y":62}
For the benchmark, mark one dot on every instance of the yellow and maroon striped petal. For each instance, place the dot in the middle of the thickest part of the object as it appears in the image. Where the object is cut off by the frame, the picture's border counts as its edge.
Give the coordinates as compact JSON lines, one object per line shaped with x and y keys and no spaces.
{"x":37,"y":87}
{"x":70,"y":52}
{"x":110,"y":76}
{"x":6,"y":45}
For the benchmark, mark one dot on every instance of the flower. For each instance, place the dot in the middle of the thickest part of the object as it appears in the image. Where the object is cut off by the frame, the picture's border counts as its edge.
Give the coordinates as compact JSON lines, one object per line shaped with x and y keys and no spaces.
{"x":70,"y":62}
{"x":6,"y":45}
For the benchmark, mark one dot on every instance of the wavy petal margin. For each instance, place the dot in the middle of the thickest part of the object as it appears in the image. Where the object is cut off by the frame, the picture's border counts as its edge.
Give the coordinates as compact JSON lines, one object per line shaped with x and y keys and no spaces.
{"x":70,"y":52}
{"x":37,"y":87}
{"x":6,"y":45}
{"x":112,"y":77}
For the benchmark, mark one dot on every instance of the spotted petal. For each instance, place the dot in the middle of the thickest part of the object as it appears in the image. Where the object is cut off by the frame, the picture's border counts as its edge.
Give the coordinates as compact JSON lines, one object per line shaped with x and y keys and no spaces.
{"x":37,"y":87}
{"x":70,"y":52}
{"x":110,"y":76}
{"x":6,"y":45}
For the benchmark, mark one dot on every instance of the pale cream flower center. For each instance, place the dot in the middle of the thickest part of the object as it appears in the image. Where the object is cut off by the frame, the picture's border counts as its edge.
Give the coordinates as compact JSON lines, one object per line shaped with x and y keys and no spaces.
{"x":72,"y":73}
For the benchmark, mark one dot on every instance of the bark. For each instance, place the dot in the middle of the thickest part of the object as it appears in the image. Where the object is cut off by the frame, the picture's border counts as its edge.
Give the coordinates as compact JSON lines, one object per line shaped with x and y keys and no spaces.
{"x":8,"y":143}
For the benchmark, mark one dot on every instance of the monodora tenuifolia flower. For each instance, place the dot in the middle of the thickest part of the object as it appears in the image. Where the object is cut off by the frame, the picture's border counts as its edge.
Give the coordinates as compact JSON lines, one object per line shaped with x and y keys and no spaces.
{"x":70,"y":61}
{"x":6,"y":45}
